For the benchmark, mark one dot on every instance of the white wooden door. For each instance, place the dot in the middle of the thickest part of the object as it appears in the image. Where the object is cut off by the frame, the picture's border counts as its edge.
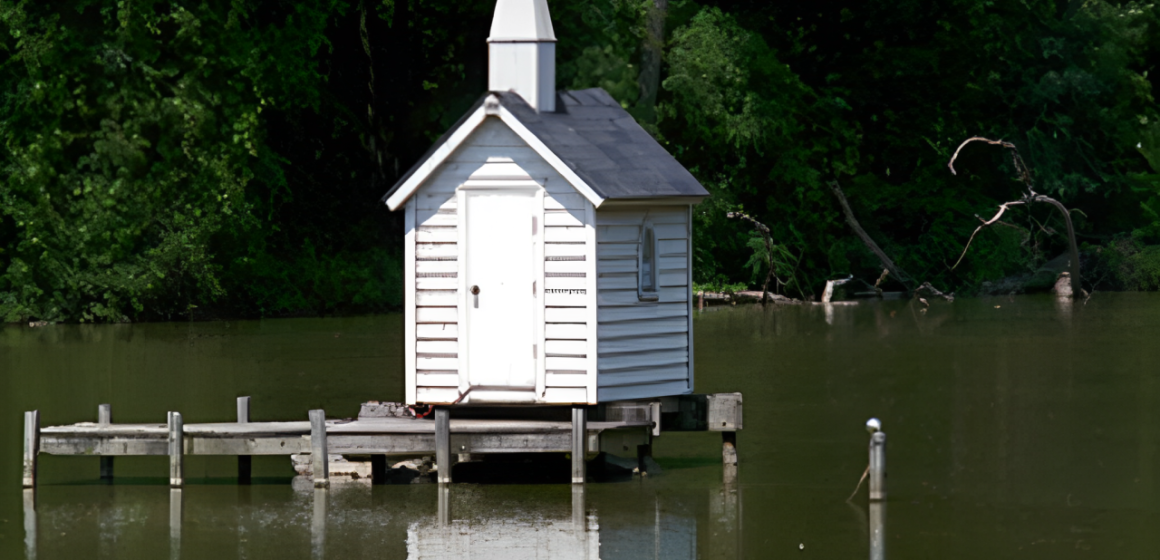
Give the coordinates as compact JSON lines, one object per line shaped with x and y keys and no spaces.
{"x":500,"y":291}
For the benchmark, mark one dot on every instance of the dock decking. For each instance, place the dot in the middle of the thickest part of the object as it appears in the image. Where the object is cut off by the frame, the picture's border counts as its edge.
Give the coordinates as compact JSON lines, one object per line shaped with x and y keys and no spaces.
{"x":625,"y":425}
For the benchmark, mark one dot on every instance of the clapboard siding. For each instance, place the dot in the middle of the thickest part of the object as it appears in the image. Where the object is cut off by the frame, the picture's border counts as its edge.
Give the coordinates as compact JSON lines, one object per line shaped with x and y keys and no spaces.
{"x":643,"y":375}
{"x":643,"y":348}
{"x":643,"y":390}
{"x":598,"y":338}
{"x":440,"y":331}
{"x":567,"y":258}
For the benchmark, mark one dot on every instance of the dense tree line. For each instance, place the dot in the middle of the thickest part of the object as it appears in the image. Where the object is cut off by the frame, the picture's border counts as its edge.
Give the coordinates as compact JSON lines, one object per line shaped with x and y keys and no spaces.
{"x":164,"y":159}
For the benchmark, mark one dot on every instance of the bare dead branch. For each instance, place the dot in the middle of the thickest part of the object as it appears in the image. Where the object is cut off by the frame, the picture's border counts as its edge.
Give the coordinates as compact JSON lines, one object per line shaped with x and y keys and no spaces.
{"x":1029,"y":197}
{"x":931,"y":291}
{"x":870,"y":244}
{"x":1002,"y":208}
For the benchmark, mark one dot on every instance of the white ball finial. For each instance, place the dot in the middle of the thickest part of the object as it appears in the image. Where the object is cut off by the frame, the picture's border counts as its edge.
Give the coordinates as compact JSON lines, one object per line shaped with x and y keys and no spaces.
{"x":873,"y":425}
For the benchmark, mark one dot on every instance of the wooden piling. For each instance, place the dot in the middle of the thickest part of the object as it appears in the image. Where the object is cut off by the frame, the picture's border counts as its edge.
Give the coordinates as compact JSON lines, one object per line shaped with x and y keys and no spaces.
{"x":244,"y":468}
{"x":877,"y":466}
{"x":579,"y":511}
{"x":31,"y":446}
{"x":444,"y":507}
{"x":176,"y":515}
{"x":105,"y":418}
{"x":579,"y":439}
{"x":443,"y":444}
{"x":30,"y":538}
{"x":729,"y":457}
{"x":318,"y":449}
{"x":642,"y":452}
{"x":318,"y":524}
{"x":378,"y":469}
{"x":176,"y":450}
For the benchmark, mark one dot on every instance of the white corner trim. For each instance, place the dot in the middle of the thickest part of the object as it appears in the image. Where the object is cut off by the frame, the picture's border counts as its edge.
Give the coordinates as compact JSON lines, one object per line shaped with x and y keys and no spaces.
{"x":432,"y":163}
{"x":549,"y":156}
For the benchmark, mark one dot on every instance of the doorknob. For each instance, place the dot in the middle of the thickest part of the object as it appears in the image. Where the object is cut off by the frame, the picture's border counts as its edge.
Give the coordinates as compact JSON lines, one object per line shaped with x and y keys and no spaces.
{"x":475,"y":290}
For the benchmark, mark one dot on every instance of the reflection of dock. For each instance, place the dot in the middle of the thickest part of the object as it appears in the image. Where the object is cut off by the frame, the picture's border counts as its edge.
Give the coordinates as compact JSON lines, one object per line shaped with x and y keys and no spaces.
{"x":615,"y":428}
{"x":450,"y":521}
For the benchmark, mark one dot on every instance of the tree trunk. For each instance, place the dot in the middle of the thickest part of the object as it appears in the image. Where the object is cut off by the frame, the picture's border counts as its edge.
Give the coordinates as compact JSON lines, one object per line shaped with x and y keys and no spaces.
{"x":1073,"y":248}
{"x":650,"y":59}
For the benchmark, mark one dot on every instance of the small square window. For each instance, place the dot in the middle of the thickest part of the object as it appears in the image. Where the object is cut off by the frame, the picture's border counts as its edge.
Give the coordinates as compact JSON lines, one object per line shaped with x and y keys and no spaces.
{"x":647,"y":265}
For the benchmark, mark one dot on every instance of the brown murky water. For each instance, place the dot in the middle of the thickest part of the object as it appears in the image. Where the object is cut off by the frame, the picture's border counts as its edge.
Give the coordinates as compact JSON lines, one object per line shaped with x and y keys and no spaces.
{"x":1019,"y":428}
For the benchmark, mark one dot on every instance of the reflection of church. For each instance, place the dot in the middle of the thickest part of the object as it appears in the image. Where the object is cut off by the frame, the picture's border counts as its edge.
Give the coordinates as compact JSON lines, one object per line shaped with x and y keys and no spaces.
{"x":650,"y":531}
{"x":619,"y":521}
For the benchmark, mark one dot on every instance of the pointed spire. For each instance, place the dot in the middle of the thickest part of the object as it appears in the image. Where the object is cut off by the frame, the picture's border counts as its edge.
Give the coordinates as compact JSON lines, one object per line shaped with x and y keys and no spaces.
{"x":520,"y":21}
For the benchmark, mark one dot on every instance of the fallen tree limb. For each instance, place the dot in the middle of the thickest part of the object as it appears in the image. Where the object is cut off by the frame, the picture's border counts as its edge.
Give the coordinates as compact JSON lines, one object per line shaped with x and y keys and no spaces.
{"x":1028,"y":197}
{"x":870,"y":244}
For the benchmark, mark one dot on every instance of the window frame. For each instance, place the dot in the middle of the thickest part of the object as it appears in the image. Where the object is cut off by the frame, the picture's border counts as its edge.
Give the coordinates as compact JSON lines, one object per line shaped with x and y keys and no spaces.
{"x":648,"y":238}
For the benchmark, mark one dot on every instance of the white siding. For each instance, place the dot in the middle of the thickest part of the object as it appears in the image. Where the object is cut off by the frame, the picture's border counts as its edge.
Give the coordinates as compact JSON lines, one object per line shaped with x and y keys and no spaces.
{"x":567,"y":284}
{"x":643,"y":348}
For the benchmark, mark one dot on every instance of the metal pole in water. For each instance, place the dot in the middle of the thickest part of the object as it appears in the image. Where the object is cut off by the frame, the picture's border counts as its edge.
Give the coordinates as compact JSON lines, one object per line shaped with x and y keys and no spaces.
{"x":104,"y":419}
{"x":877,"y":460}
{"x":877,"y":531}
{"x":443,"y":445}
{"x":31,"y":446}
{"x":176,"y":450}
{"x":579,"y":437}
{"x":318,"y":449}
{"x":243,"y":460}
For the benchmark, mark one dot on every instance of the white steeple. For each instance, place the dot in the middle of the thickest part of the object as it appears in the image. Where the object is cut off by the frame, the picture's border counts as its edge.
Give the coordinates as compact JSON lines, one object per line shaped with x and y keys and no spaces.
{"x":522,"y":52}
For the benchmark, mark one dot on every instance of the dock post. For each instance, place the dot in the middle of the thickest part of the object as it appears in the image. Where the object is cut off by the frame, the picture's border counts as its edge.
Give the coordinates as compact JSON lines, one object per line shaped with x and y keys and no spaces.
{"x":877,"y":466}
{"x":443,"y":444}
{"x":318,"y":524}
{"x":104,"y":419}
{"x":31,"y":446}
{"x":378,"y":469}
{"x":243,"y":460}
{"x":318,"y":449}
{"x":176,"y":513}
{"x":30,"y":523}
{"x":444,"y":506}
{"x":176,"y":450}
{"x":579,"y":512}
{"x":729,"y":457}
{"x":579,"y":439}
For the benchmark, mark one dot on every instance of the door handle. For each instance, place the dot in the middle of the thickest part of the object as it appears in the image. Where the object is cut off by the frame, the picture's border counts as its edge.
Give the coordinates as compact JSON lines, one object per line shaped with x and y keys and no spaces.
{"x":475,"y":290}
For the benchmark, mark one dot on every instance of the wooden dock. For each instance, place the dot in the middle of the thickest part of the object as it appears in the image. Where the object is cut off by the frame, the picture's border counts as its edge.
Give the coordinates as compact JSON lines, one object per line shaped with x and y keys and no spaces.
{"x":620,"y":427}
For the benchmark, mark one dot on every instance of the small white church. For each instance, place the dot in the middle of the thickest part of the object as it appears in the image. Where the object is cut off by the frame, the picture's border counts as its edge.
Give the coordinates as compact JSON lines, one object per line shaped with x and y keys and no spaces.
{"x":548,"y":243}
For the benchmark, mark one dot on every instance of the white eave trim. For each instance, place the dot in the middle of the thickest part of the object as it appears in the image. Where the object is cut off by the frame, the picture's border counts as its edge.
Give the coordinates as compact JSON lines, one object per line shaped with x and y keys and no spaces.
{"x":490,"y":106}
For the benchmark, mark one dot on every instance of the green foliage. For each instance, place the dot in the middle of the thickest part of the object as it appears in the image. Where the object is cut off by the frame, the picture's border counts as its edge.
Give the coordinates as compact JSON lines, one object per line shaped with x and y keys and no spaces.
{"x":767,"y":101}
{"x":777,"y":256}
{"x":757,"y":137}
{"x":159,"y":156}
{"x":719,"y":286}
{"x":130,"y":135}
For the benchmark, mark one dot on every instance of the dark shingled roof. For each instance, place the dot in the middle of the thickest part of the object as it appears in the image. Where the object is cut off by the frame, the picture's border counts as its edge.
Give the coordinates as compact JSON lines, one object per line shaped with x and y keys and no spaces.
{"x":594,"y":136}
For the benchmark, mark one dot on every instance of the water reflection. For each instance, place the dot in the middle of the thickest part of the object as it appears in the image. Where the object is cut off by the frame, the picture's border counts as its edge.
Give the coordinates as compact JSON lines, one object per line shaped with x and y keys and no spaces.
{"x":624,"y":521}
